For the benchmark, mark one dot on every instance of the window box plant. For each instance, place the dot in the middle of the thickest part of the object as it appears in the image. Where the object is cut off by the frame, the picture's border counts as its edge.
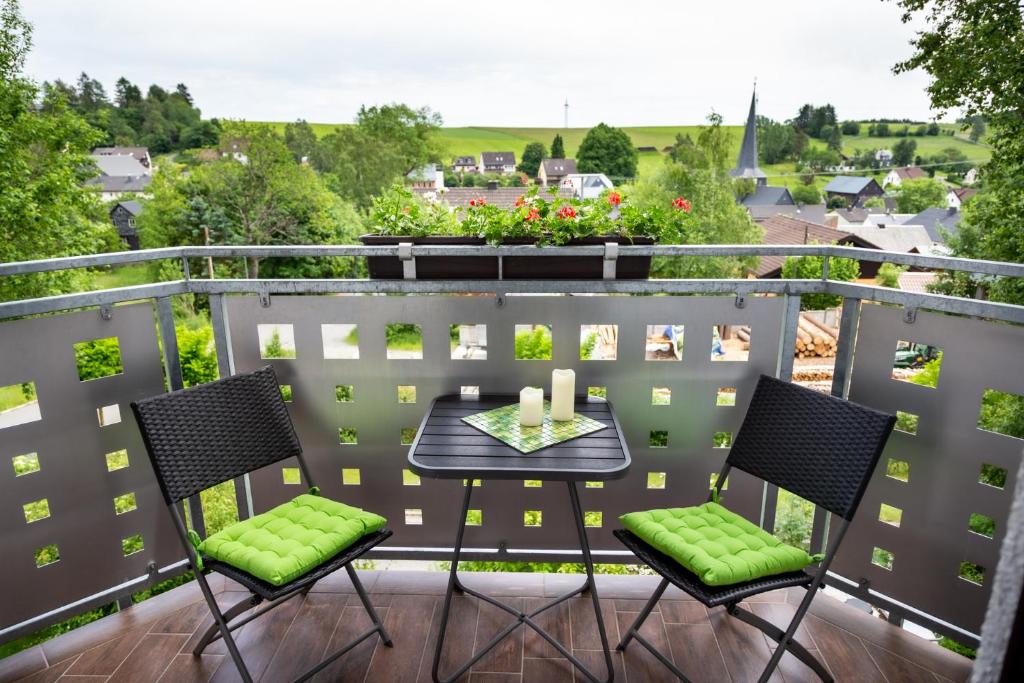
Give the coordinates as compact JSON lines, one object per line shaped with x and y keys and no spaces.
{"x":401,"y":216}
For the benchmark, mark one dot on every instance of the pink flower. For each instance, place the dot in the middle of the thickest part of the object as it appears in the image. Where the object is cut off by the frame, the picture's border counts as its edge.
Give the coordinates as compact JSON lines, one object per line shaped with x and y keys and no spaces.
{"x":682,"y":203}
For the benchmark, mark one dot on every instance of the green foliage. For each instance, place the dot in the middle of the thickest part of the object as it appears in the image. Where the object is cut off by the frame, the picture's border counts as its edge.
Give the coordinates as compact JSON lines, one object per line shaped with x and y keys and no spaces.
{"x":386,"y":142}
{"x":806,"y":194}
{"x":929,"y":374}
{"x":198,"y":355}
{"x":810,"y":268}
{"x":956,"y":647}
{"x":889,"y":274}
{"x":776,"y":142}
{"x":607,"y":150}
{"x":874,"y":203}
{"x":793,"y":519}
{"x":914,"y":196}
{"x":98,"y":358}
{"x":850,"y":128}
{"x":903,"y":152}
{"x":587,"y":347}
{"x":534,"y":344}
{"x":533,"y":154}
{"x":404,"y":336}
{"x":557,"y":147}
{"x":1002,"y":412}
{"x":300,"y":139}
{"x":812,"y":120}
{"x":44,"y":210}
{"x":275,"y":349}
{"x":271,"y":200}
{"x":698,"y":172}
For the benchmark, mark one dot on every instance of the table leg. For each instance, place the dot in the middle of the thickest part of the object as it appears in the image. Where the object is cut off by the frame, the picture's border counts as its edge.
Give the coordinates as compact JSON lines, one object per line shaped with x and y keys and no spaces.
{"x":453,"y":585}
{"x":588,"y":586}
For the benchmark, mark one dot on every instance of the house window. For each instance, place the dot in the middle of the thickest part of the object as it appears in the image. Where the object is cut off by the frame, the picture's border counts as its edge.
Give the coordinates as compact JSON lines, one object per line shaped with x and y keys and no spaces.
{"x":131,"y":222}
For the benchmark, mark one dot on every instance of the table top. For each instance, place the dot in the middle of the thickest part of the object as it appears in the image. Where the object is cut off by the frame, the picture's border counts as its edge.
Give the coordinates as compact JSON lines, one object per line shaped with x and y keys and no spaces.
{"x":448,"y":448}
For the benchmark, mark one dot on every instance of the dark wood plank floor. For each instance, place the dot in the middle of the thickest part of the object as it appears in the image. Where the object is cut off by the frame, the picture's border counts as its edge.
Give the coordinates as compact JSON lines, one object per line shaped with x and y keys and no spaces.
{"x":152,"y":641}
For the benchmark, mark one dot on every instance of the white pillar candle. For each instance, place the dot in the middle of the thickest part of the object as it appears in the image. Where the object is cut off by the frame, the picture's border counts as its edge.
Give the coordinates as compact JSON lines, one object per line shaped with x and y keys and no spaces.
{"x":563,"y":394}
{"x":531,"y":407}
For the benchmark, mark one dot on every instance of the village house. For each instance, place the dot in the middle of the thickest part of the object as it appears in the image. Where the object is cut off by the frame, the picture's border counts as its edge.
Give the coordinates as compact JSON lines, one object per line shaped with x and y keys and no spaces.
{"x":896,"y":176}
{"x":971,"y":177}
{"x":430,"y":177}
{"x":553,"y":171}
{"x":956,"y":196}
{"x":787,"y":230}
{"x":119,"y":175}
{"x":938,"y":222}
{"x":140,"y":154}
{"x":236,"y":148}
{"x":498,"y":162}
{"x":853,"y":189}
{"x":587,"y":185}
{"x":464,"y":165}
{"x":123,"y":215}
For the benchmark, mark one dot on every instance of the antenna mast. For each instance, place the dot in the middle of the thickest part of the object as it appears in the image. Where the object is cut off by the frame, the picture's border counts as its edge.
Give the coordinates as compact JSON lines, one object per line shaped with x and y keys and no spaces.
{"x":567,"y":112}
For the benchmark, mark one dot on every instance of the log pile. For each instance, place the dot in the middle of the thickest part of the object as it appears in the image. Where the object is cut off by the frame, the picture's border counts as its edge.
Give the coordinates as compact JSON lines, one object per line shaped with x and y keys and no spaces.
{"x":815,"y":339}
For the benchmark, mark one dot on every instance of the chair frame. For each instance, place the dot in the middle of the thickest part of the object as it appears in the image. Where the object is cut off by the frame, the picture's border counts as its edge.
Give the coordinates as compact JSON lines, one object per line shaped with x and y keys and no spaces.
{"x":671,"y":573}
{"x":226,"y":621}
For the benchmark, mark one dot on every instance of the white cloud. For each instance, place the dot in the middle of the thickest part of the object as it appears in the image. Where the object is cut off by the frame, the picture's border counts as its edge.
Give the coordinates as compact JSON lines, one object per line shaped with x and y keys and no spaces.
{"x":492,"y":63}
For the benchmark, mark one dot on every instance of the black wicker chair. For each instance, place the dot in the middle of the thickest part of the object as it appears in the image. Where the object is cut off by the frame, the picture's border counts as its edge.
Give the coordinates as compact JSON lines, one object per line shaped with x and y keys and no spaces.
{"x":821,"y":448}
{"x":208,"y":434}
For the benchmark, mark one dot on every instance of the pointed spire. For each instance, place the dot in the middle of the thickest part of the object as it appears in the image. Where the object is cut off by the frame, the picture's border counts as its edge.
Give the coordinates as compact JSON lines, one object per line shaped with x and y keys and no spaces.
{"x":746,"y":164}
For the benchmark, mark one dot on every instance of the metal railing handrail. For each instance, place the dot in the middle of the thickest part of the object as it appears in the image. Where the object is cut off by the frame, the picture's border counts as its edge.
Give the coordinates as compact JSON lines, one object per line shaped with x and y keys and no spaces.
{"x":982,"y":267}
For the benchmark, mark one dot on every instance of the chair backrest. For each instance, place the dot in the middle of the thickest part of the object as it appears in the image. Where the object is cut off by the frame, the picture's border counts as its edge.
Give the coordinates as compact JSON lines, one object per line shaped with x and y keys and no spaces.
{"x":820,"y":447}
{"x":201,"y":436}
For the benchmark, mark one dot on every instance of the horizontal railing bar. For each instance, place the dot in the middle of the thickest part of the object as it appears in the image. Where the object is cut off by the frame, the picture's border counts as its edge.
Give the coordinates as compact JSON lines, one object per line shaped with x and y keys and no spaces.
{"x":101,"y":297}
{"x":997,"y":268}
{"x":88,"y":261}
{"x":335,"y":286}
{"x":935,"y":302}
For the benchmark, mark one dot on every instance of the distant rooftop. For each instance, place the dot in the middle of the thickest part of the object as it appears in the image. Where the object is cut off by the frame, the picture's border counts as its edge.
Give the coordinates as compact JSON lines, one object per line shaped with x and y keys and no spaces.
{"x":846,"y":184}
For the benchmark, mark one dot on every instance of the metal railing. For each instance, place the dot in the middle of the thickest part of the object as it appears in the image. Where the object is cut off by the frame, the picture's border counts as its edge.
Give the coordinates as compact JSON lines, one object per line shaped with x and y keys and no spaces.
{"x":921,"y":583}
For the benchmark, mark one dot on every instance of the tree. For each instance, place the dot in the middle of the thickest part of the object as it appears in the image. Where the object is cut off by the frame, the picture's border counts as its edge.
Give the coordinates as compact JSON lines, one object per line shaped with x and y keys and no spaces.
{"x":271,"y":200}
{"x":914,"y":196}
{"x":529,"y":162}
{"x":889,"y":275}
{"x":959,"y":35}
{"x":977,"y":128}
{"x":775,"y":141}
{"x":300,"y":139}
{"x":698,"y":172}
{"x":850,"y":128}
{"x":44,"y":160}
{"x":806,"y":194}
{"x":557,"y":147}
{"x":903,"y":152}
{"x":810,"y":268}
{"x":385,"y":144}
{"x":833,"y":137}
{"x":607,"y":150}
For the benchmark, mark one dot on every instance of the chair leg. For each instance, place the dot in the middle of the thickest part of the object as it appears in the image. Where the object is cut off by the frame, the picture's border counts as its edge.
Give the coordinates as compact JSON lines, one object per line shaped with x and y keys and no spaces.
{"x":642,"y":617}
{"x":222,"y":624}
{"x":230,"y":613}
{"x":368,"y":605}
{"x":784,"y":639}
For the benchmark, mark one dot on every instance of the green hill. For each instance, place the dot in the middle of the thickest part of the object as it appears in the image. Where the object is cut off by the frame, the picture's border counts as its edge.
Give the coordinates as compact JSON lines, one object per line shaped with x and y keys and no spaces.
{"x":471,"y":140}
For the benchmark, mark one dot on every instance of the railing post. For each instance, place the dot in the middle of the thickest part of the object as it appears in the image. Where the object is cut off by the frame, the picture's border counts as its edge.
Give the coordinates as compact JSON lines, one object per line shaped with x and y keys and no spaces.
{"x":784,"y":371}
{"x":175,"y":381}
{"x":845,"y":343}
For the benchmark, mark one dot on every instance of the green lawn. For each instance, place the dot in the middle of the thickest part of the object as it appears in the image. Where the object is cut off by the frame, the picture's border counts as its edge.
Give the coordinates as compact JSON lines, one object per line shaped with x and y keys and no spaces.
{"x":471,"y":140}
{"x":122,"y":276}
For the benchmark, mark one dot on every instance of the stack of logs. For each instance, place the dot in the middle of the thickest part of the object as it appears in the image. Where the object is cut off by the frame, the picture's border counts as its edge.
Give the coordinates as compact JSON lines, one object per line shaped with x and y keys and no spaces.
{"x":814,"y":338}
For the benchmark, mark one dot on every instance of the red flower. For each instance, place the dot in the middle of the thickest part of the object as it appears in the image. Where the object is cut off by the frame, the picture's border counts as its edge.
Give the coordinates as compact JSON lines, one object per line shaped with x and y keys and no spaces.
{"x":614,"y":198}
{"x":521,"y":200}
{"x":566,"y":212}
{"x":533,"y":215}
{"x":682,"y":203}
{"x":480,"y":201}
{"x":472,"y":202}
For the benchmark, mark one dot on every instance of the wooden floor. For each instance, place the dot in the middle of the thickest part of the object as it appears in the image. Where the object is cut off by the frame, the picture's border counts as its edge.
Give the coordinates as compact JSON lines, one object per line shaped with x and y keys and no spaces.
{"x":152,"y":641}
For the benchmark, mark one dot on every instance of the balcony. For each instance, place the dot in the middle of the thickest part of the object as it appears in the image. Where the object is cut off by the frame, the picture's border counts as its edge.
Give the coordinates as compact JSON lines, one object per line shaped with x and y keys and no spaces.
{"x":84,"y":524}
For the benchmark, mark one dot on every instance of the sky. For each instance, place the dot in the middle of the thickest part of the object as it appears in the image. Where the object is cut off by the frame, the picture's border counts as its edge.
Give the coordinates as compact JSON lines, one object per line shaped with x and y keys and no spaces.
{"x":496,"y":63}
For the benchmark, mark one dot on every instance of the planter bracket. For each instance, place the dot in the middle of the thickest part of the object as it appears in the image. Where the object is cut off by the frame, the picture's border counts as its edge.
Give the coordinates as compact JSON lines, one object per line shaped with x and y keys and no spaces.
{"x":408,"y":260}
{"x":499,"y":299}
{"x":611,"y":256}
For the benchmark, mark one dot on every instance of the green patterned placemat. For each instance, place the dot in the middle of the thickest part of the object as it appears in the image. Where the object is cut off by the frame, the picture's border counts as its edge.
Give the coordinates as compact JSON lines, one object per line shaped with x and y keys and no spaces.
{"x":503,"y":424}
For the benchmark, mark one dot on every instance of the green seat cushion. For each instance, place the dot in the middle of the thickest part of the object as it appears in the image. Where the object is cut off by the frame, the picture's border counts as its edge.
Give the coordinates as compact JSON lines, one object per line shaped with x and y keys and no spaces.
{"x":717,"y":545}
{"x":292,"y":539}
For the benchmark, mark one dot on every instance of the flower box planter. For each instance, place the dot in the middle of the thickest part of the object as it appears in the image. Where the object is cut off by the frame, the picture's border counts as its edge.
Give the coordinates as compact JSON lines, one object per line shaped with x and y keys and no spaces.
{"x":513,"y":267}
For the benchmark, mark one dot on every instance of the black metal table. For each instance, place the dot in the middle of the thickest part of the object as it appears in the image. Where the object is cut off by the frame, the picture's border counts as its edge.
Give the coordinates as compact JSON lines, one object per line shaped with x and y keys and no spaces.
{"x":447,"y":448}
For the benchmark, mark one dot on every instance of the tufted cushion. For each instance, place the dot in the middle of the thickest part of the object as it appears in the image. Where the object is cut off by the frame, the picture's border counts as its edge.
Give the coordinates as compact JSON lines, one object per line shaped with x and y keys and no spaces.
{"x":284,"y":543}
{"x":717,"y":545}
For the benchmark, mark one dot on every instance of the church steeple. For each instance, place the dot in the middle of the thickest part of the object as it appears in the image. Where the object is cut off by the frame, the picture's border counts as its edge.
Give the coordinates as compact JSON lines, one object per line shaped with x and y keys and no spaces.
{"x":746,"y":164}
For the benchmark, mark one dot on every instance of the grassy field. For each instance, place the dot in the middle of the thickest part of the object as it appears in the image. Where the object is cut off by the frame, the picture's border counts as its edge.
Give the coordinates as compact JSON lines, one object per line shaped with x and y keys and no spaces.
{"x":470,"y":141}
